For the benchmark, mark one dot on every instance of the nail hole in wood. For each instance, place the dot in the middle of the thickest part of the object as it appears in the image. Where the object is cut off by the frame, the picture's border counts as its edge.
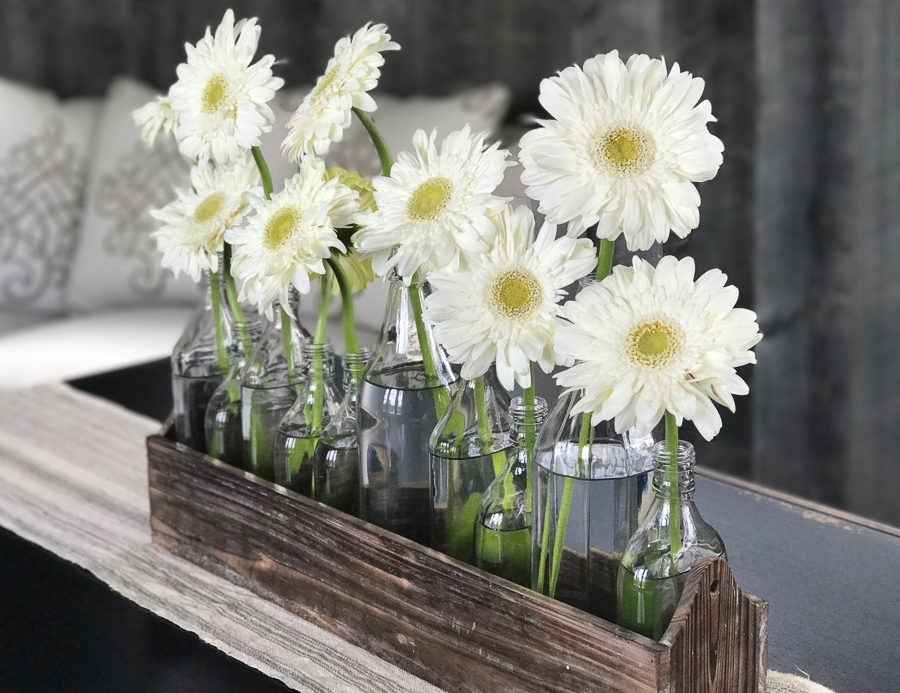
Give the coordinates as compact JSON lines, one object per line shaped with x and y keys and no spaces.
{"x":714,"y":587}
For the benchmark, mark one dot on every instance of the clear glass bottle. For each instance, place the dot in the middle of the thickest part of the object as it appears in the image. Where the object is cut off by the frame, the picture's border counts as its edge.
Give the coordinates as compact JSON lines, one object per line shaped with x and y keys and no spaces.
{"x":270,"y":383}
{"x":294,"y":446}
{"x":198,"y":367}
{"x":406,"y":389}
{"x":224,"y":434}
{"x":651,"y":574}
{"x":336,"y":465}
{"x":503,"y":528}
{"x":467,"y":449}
{"x":590,"y":492}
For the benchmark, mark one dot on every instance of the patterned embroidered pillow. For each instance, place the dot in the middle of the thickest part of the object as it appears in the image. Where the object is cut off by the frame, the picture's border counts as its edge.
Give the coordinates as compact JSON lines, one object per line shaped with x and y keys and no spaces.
{"x":116,"y":263}
{"x":43,"y":172}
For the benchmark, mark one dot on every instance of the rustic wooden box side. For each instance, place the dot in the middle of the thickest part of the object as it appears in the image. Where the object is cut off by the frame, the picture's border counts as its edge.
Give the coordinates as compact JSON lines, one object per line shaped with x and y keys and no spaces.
{"x":450,"y":624}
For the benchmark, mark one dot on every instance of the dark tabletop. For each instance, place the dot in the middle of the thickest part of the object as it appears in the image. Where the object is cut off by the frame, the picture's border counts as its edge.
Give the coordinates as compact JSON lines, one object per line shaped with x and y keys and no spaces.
{"x":830,"y":579}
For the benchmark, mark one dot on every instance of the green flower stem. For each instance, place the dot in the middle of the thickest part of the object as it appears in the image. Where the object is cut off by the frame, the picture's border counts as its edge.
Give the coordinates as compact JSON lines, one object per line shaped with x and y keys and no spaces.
{"x":288,"y":345}
{"x":484,"y":427}
{"x":235,"y":304}
{"x":215,"y":293}
{"x":530,"y":435}
{"x":441,"y":394}
{"x":318,"y":340}
{"x":384,"y":153}
{"x":263,"y":171}
{"x":605,"y":259}
{"x":672,"y":473}
{"x":350,"y":340}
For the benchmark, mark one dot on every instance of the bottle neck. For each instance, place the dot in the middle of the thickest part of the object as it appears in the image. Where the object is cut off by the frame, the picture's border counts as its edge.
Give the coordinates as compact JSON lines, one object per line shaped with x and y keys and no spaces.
{"x":353,"y":366}
{"x":669,"y":469}
{"x":318,"y":356}
{"x":519,"y":419}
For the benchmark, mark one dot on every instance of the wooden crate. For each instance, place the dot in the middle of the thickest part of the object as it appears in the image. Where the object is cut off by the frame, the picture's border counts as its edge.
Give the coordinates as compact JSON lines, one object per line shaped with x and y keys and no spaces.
{"x":448,"y":623}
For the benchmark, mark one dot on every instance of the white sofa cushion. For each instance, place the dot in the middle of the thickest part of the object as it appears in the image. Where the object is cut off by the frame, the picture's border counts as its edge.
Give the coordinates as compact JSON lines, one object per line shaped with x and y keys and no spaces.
{"x":78,"y":346}
{"x":117,"y":263}
{"x":44,"y":146}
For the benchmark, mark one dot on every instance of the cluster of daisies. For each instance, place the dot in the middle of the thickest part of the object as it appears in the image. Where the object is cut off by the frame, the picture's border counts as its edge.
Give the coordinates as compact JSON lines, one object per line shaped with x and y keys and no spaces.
{"x":624,"y":147}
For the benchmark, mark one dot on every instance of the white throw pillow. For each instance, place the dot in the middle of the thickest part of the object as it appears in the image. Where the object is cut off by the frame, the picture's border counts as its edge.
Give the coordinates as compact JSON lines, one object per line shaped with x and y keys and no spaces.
{"x":117,"y":263}
{"x":44,"y":146}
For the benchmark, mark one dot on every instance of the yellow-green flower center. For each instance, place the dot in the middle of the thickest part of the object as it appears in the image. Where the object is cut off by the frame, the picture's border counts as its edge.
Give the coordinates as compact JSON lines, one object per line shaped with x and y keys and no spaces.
{"x":514,"y":294}
{"x":280,"y":227}
{"x":214,"y":94}
{"x":324,"y":83}
{"x":429,"y":199}
{"x":211,"y":206}
{"x":653,"y":343}
{"x":622,"y":150}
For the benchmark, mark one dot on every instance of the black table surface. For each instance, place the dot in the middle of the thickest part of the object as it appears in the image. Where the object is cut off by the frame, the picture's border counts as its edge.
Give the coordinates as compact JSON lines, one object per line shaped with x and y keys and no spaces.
{"x":830,"y":578}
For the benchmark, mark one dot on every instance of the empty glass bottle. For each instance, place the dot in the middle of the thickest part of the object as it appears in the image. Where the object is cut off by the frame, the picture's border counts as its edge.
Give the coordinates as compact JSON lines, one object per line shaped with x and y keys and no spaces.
{"x":298,"y":432}
{"x":657,"y":559}
{"x":591,"y":489}
{"x":467,"y":449}
{"x":503,"y":529}
{"x":336,"y":465}
{"x":406,"y":389}
{"x":200,"y":361}
{"x":224,"y":436}
{"x":270,"y":384}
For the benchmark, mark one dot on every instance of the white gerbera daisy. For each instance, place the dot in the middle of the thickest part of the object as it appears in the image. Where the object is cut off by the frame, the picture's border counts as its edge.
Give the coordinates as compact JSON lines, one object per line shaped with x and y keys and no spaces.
{"x":326,"y":111}
{"x":195,"y":222}
{"x":220,"y":98}
{"x":653,"y":340}
{"x":627,"y":145}
{"x":290,"y":236}
{"x":156,"y":117}
{"x":503,"y":306}
{"x":435,"y":207}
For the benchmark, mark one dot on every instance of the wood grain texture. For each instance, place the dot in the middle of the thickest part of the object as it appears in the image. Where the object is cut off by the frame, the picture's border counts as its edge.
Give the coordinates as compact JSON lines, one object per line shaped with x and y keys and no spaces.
{"x":452,"y":625}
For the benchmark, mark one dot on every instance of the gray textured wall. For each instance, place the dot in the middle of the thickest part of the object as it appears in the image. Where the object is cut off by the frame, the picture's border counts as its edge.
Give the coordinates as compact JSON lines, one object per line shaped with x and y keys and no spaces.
{"x":803,"y":216}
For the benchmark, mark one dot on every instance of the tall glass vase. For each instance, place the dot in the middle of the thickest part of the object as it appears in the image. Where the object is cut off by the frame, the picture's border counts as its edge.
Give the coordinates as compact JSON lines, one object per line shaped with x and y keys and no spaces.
{"x":336,"y":466}
{"x":200,"y":361}
{"x":298,"y":432}
{"x":270,"y":384}
{"x":467,"y":449}
{"x":406,"y":389}
{"x":224,"y":436}
{"x":591,"y":490}
{"x":503,"y":527}
{"x":658,"y":558}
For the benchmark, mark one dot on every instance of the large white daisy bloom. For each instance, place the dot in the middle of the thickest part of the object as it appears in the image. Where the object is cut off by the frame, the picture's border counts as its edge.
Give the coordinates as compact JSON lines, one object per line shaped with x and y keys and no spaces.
{"x":326,"y":111}
{"x":435,"y":207}
{"x":503,"y":305}
{"x":195,"y":222}
{"x":289,"y":237}
{"x":626,"y":146}
{"x":220,"y":98}
{"x":653,"y":340}
{"x":155,"y":117}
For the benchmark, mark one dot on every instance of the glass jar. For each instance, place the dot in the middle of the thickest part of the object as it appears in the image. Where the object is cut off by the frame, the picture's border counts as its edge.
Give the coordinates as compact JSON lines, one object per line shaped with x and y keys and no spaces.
{"x":294,"y":446}
{"x":224,"y":436}
{"x":406,"y":389}
{"x":336,"y":465}
{"x":591,"y":490}
{"x":467,"y":450}
{"x":270,"y":383}
{"x":200,"y":361}
{"x":658,"y":558}
{"x":503,"y":529}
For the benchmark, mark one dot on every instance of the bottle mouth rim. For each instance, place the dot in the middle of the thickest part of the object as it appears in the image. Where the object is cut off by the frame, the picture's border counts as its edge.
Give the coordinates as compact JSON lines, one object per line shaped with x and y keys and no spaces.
{"x":519,"y":410}
{"x":686,"y":456}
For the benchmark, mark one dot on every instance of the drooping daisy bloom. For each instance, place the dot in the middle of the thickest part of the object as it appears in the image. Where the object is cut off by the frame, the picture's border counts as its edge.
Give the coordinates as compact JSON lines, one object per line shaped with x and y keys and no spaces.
{"x":627,"y":145}
{"x":435,"y":207}
{"x":220,"y":98}
{"x":289,"y":237}
{"x":651,"y":340}
{"x":503,"y":305}
{"x":325,"y":112}
{"x":195,"y":222}
{"x":357,"y":269}
{"x":155,"y":117}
